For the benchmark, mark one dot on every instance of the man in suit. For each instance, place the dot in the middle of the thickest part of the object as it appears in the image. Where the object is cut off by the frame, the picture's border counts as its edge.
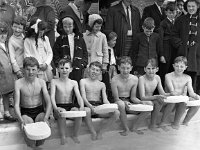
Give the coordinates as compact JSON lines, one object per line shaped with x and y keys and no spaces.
{"x":126,"y":25}
{"x":156,"y":12}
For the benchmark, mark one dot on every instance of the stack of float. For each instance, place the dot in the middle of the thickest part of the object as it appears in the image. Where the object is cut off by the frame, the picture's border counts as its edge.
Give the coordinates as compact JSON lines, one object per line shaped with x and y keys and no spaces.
{"x":105,"y":108}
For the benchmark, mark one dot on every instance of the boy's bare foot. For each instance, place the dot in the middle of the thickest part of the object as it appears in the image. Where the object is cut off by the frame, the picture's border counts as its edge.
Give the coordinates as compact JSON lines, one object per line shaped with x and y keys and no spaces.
{"x":99,"y":135}
{"x":176,"y":127}
{"x":94,"y":136}
{"x":185,"y":123}
{"x":63,"y":141}
{"x":75,"y":139}
{"x":124,"y":133}
{"x":154,"y":128}
{"x":164,"y":127}
{"x":137,"y":131}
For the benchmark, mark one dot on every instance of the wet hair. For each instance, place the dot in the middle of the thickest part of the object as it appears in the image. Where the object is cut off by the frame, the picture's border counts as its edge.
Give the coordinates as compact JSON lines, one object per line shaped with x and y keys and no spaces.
{"x":3,"y":27}
{"x":30,"y":61}
{"x":64,"y":61}
{"x":96,"y":63}
{"x":152,"y":61}
{"x":30,"y":32}
{"x":19,"y":20}
{"x":124,"y":60}
{"x":148,"y":23}
{"x":171,"y":6}
{"x":180,"y":59}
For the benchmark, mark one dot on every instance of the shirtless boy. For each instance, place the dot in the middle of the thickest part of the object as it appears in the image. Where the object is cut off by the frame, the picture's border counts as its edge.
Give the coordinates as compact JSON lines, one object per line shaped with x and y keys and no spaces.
{"x":179,"y":83}
{"x":94,"y":93}
{"x":147,"y":85}
{"x":30,"y":92}
{"x":61,"y":96}
{"x":124,"y":86}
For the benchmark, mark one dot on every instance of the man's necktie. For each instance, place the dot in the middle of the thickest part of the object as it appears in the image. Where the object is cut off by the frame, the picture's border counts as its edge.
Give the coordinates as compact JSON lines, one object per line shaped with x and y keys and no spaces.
{"x":128,"y":18}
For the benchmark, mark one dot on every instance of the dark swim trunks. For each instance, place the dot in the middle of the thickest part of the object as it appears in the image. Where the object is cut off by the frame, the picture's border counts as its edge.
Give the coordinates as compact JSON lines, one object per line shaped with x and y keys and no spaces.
{"x":67,"y":107}
{"x":125,"y":98}
{"x":32,"y":112}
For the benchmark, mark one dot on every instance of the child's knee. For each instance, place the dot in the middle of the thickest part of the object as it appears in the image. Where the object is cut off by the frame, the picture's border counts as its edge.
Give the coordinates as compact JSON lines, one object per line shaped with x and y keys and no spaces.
{"x":88,"y":111}
{"x":116,"y":114}
{"x":121,"y":105}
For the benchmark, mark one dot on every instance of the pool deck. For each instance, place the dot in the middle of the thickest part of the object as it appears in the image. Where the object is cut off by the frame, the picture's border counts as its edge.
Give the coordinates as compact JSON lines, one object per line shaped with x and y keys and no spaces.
{"x":185,"y":138}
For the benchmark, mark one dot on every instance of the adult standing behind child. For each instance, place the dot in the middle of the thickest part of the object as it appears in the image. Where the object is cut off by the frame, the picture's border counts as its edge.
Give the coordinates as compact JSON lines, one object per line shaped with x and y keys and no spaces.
{"x":167,"y":51}
{"x":146,"y":46}
{"x":16,"y":45}
{"x":6,"y":72}
{"x":71,"y":45}
{"x":37,"y":45}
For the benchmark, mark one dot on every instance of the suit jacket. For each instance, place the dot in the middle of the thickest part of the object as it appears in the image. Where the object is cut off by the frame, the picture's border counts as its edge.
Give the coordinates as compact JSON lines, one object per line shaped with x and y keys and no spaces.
{"x":116,"y":21}
{"x":146,"y":49}
{"x":165,"y":32}
{"x":61,"y":49}
{"x":153,"y":12}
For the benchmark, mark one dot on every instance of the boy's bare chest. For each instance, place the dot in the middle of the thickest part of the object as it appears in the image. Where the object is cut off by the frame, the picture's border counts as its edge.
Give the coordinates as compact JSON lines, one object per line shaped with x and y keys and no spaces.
{"x":150,"y":86}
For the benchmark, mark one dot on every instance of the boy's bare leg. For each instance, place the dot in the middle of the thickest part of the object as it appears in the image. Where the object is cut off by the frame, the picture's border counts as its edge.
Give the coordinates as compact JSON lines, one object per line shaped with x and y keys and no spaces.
{"x":154,"y":116}
{"x":62,"y":126}
{"x":77,"y":125}
{"x":141,"y":117}
{"x":191,"y":112}
{"x":30,"y":143}
{"x":88,"y":121}
{"x":181,"y":107}
{"x":167,"y":111}
{"x":39,"y":118}
{"x":123,"y":117}
{"x":107,"y":122}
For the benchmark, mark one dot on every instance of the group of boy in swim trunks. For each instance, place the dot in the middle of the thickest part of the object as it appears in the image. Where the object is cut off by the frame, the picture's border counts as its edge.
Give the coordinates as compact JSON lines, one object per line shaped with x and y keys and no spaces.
{"x":33,"y":102}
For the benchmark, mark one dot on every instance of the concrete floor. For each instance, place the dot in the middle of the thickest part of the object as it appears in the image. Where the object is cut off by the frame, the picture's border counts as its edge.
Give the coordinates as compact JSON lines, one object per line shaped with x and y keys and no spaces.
{"x":186,"y":138}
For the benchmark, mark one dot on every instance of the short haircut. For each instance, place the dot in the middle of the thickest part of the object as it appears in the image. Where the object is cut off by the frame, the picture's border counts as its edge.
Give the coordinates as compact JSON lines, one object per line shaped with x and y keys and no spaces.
{"x":180,"y":59}
{"x":196,"y":1}
{"x":96,"y":63}
{"x":152,"y":61}
{"x":148,"y":23}
{"x":111,"y":35}
{"x":180,"y":1}
{"x":3,"y":27}
{"x":171,"y":6}
{"x":42,"y":25}
{"x":20,"y":21}
{"x":30,"y":61}
{"x":124,"y":60}
{"x":64,"y":61}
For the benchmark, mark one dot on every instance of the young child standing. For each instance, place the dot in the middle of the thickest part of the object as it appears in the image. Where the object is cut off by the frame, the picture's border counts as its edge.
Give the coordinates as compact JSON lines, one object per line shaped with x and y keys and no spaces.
{"x":16,"y":45}
{"x":124,"y":86}
{"x":179,"y":83}
{"x":94,"y":93}
{"x":167,"y":51}
{"x":6,"y":72}
{"x":37,"y":45}
{"x":61,"y":96}
{"x":96,"y":41}
{"x":148,"y":83}
{"x":145,"y":45}
{"x":72,"y":45}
